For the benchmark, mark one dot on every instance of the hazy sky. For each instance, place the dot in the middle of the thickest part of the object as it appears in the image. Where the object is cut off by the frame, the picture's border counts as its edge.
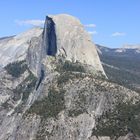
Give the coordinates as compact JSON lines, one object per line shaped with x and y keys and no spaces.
{"x":111,"y":22}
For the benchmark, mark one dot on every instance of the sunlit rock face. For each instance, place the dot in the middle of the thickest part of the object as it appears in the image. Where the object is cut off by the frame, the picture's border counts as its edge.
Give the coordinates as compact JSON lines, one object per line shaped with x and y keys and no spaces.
{"x":15,"y":48}
{"x":74,"y":42}
{"x":63,"y":37}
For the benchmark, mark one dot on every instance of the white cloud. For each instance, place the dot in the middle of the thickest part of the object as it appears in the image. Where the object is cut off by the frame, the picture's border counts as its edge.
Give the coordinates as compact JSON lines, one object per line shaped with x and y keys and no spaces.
{"x":92,"y":32}
{"x":34,"y":22}
{"x":118,"y":34}
{"x":90,"y":25}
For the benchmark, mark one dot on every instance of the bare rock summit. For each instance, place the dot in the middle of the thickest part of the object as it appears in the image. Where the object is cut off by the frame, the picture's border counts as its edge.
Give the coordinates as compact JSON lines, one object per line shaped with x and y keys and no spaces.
{"x":74,"y":42}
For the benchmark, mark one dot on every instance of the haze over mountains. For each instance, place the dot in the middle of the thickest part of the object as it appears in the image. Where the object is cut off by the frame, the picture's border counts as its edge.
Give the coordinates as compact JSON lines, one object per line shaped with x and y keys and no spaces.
{"x":122,"y":64}
{"x":53,"y":86}
{"x":132,"y":46}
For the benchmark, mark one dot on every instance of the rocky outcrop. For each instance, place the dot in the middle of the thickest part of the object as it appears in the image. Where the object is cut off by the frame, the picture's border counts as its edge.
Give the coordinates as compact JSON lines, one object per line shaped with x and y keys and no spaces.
{"x":129,"y":136}
{"x":74,"y":43}
{"x":15,"y":48}
{"x":65,"y":37}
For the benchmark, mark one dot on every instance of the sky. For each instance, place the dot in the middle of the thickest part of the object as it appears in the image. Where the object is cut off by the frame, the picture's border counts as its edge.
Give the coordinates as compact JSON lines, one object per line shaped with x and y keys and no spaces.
{"x":111,"y":23}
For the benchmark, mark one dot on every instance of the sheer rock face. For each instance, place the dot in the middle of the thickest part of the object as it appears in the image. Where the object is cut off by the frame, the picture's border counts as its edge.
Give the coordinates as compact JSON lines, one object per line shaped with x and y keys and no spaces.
{"x":74,"y":43}
{"x":63,"y":36}
{"x":49,"y":37}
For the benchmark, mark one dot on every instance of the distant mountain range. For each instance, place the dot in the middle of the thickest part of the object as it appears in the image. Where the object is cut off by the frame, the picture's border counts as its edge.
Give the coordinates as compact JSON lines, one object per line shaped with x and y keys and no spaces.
{"x":127,"y":46}
{"x":122,"y":65}
{"x":7,"y":37}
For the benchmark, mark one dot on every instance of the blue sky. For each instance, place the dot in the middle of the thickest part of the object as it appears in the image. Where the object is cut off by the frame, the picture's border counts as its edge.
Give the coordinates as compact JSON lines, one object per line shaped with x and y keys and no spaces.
{"x":111,"y":22}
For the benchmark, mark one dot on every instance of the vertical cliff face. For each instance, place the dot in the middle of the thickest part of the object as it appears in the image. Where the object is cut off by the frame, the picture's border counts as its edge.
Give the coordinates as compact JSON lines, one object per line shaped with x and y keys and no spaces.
{"x":64,"y":36}
{"x":74,"y":43}
{"x":49,"y":37}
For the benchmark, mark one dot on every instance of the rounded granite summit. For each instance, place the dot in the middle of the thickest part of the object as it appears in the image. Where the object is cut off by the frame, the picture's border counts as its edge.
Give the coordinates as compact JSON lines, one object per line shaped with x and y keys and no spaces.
{"x":74,"y":42}
{"x":65,"y":18}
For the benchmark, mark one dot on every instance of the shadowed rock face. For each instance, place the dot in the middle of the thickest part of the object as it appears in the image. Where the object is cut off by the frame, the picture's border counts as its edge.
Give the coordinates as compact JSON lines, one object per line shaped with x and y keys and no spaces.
{"x":40,"y":79}
{"x":49,"y":37}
